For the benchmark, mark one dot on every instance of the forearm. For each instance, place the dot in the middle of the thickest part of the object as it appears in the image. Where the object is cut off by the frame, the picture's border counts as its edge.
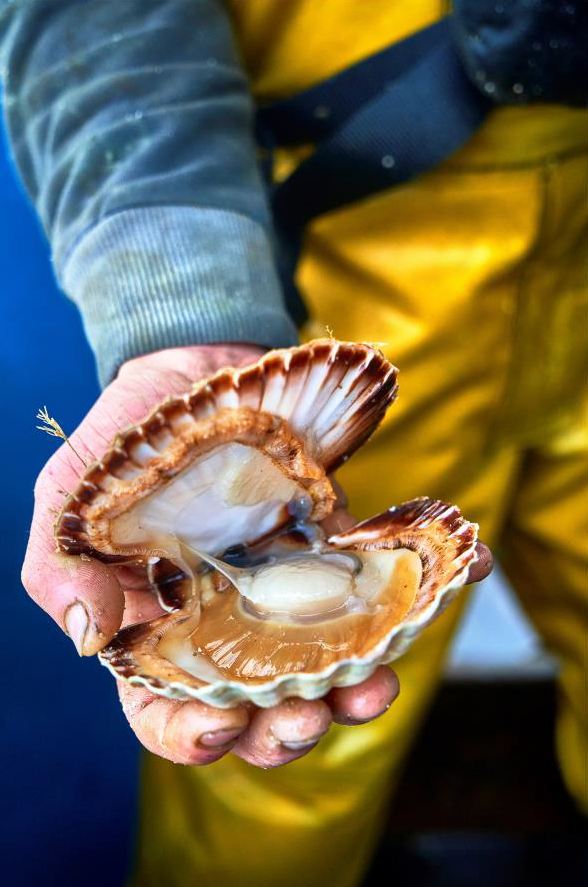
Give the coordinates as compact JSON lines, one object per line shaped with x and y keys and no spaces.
{"x":130,"y":125}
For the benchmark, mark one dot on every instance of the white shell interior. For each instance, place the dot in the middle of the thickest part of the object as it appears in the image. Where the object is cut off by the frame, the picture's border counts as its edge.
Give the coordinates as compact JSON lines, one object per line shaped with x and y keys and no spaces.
{"x":231,"y":495}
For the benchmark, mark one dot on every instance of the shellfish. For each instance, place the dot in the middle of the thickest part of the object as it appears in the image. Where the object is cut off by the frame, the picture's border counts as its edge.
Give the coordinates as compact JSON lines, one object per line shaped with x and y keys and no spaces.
{"x":220,"y":494}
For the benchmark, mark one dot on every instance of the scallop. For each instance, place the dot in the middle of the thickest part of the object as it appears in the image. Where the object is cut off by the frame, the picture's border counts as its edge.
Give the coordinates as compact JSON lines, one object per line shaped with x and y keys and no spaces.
{"x":221,"y":493}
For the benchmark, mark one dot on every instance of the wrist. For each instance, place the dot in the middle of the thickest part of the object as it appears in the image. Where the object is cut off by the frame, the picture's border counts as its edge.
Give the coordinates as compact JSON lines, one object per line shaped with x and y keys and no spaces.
{"x":167,"y":277}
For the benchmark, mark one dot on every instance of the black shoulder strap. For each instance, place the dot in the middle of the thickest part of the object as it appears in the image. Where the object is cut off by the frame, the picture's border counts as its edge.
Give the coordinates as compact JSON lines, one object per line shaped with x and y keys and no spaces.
{"x":377,"y":124}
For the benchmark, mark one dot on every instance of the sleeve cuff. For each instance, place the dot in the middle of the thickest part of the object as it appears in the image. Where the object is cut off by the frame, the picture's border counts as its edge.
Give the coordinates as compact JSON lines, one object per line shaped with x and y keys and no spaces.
{"x":161,"y":277}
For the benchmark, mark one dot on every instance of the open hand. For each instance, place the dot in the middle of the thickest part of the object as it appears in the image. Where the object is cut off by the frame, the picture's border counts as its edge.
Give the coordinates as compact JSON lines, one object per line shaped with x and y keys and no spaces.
{"x":91,"y":601}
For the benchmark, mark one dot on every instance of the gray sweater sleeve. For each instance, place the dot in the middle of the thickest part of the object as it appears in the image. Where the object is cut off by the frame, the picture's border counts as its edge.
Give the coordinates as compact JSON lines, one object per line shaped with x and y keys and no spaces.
{"x":130,"y":124}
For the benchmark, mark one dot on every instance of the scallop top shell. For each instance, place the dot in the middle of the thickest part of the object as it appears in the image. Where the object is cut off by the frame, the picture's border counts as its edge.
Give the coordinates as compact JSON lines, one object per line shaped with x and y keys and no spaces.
{"x":239,"y":466}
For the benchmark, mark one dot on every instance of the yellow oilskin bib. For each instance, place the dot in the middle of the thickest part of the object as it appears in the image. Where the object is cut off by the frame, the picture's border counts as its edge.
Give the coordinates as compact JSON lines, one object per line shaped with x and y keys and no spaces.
{"x":473,"y":279}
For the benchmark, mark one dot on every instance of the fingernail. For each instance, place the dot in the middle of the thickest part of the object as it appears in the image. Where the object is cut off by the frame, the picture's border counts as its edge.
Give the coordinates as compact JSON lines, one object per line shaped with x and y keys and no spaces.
{"x":76,"y":625}
{"x":218,"y":738}
{"x":357,"y":722}
{"x":292,"y":745}
{"x":352,"y":721}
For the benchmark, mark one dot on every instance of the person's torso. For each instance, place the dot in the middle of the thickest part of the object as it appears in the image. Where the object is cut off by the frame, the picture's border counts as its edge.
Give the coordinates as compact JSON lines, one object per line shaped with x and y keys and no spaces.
{"x":289,"y":45}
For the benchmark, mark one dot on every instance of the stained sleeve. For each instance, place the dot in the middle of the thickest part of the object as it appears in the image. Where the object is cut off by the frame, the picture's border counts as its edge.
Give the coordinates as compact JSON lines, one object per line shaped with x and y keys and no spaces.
{"x":130,"y":124}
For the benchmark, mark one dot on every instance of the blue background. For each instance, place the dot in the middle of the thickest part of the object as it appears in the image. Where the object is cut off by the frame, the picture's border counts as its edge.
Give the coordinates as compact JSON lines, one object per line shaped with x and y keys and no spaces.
{"x":68,"y":761}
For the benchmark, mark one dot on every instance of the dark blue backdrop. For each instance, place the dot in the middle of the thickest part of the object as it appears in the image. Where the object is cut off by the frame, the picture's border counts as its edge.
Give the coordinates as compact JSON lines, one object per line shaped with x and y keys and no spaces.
{"x":68,"y":760}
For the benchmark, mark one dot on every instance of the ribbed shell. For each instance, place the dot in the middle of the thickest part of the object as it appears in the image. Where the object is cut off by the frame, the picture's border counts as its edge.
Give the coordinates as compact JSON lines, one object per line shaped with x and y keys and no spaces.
{"x":330,"y":395}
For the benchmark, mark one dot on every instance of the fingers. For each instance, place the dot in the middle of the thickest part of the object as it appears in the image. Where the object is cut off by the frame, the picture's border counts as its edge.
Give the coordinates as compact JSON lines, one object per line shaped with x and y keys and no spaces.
{"x":484,"y":564}
{"x":338,"y":522}
{"x":365,"y":701}
{"x":183,"y":732}
{"x":291,"y":729}
{"x":283,"y":733}
{"x":140,"y":606}
{"x":341,"y":501}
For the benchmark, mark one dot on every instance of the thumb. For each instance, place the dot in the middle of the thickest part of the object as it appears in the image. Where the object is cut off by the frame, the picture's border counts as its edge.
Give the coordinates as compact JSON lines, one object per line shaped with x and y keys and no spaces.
{"x":83,"y":597}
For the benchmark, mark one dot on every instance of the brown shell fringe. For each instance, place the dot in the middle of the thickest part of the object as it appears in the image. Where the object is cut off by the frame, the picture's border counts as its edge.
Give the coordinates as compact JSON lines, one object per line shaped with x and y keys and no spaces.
{"x":436,"y":530}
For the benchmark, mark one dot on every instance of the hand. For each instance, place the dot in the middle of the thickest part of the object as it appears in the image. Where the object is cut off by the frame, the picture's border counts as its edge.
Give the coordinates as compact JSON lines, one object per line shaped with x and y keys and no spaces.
{"x":91,"y":601}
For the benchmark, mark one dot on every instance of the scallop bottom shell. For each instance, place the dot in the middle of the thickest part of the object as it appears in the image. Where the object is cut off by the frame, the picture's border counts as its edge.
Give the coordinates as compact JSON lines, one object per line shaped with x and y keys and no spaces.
{"x":446,"y":544}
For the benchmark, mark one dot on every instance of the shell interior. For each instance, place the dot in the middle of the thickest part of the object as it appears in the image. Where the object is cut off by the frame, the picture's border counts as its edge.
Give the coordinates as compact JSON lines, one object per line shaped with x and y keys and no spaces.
{"x":239,"y":488}
{"x":306,"y":615}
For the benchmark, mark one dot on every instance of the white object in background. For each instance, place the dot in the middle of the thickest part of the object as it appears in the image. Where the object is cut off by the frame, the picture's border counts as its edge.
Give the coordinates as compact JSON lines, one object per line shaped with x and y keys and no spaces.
{"x":495,"y":639}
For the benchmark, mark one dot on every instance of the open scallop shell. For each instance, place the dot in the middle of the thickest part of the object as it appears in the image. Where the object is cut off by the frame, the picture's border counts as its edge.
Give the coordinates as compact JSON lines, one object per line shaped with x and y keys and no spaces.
{"x":221,"y":467}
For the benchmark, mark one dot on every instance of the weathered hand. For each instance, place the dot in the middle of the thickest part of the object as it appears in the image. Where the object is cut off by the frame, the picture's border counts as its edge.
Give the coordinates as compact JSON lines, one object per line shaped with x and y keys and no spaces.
{"x":91,"y":601}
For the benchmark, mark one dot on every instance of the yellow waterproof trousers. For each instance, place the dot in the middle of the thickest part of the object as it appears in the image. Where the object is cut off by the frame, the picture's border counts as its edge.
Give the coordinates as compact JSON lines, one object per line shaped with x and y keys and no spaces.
{"x":473,"y":277}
